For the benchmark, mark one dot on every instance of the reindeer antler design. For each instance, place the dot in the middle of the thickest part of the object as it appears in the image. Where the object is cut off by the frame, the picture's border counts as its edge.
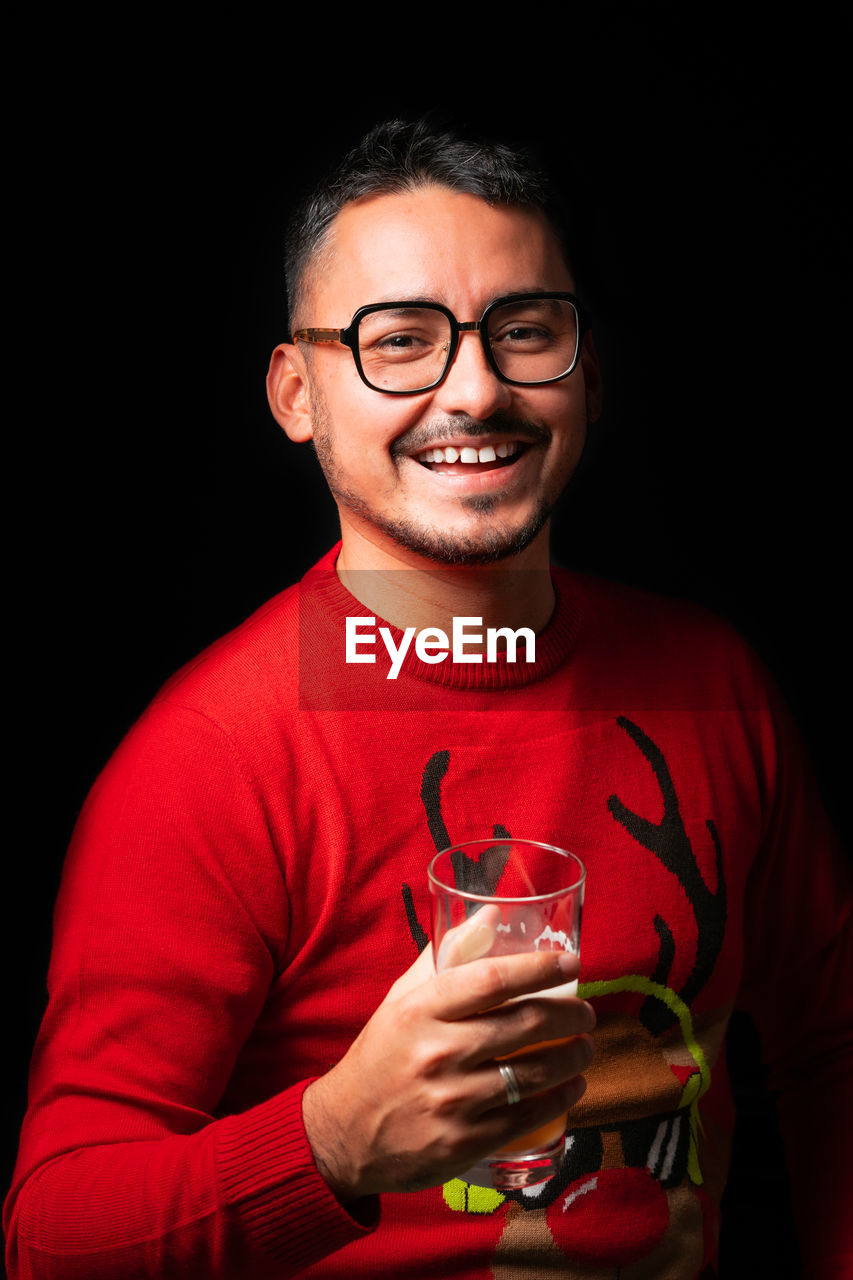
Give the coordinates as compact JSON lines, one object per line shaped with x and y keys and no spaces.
{"x":669,"y":842}
{"x":476,"y":877}
{"x":436,"y":768}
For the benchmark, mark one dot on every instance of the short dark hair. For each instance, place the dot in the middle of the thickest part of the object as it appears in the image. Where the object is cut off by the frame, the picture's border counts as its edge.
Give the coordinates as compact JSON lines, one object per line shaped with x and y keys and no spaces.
{"x":400,"y":155}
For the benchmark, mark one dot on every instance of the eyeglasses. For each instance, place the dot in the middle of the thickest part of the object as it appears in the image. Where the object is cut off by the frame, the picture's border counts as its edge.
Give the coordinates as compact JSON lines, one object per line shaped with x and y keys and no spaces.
{"x":402,"y":348}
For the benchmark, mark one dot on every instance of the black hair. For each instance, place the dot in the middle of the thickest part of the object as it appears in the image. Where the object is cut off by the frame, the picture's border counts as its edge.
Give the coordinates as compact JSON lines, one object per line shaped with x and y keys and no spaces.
{"x":400,"y":155}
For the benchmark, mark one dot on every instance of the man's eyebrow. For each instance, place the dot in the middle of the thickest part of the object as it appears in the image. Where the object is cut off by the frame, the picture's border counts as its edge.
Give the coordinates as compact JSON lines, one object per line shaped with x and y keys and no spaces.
{"x":395,"y":300}
{"x":527,"y":293}
{"x":404,"y":304}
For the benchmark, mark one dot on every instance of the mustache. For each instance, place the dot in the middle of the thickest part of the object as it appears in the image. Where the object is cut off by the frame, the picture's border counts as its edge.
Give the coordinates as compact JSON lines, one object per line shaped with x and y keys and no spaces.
{"x":437,"y":430}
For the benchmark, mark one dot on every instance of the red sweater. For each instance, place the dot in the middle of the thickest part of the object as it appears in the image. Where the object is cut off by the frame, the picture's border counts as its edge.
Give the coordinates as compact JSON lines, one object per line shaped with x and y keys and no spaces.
{"x":248,"y":878}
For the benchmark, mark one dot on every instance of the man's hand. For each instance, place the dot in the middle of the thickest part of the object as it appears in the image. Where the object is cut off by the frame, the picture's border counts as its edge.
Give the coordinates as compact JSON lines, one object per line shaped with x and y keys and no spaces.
{"x":418,"y":1098}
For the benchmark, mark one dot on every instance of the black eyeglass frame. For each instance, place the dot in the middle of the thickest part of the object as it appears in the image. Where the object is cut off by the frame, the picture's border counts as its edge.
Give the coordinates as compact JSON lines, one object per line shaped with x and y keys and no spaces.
{"x":349,"y":337}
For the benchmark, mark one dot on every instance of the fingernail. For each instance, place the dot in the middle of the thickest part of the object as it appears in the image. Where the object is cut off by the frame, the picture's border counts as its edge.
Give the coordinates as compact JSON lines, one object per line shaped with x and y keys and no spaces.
{"x":592,"y":1016}
{"x":476,"y":944}
{"x":567,"y":962}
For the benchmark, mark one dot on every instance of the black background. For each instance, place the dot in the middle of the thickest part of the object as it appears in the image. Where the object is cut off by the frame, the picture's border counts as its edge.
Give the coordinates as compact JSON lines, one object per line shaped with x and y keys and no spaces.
{"x":705,"y":156}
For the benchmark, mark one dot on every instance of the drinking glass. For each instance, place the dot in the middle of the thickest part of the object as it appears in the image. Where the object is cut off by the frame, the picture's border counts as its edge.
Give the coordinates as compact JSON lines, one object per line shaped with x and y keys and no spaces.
{"x":500,"y":897}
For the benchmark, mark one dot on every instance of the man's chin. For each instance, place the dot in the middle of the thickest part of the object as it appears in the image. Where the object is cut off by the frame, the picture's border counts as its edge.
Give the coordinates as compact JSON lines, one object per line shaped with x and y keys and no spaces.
{"x":446,"y":546}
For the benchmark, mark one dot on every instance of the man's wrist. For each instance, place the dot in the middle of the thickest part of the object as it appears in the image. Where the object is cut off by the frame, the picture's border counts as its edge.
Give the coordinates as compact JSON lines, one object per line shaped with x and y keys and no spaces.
{"x":325,"y":1137}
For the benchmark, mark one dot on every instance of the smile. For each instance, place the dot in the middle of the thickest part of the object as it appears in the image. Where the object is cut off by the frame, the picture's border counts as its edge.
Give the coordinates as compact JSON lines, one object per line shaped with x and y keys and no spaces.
{"x":490,"y":456}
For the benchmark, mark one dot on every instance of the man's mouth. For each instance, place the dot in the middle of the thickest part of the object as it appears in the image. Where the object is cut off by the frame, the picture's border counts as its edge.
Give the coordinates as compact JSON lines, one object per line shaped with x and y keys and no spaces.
{"x":456,"y":460}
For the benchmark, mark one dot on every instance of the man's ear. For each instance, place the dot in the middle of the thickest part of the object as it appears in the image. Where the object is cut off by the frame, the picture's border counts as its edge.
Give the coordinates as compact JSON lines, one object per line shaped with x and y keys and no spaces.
{"x":591,"y":377}
{"x":287,"y":392}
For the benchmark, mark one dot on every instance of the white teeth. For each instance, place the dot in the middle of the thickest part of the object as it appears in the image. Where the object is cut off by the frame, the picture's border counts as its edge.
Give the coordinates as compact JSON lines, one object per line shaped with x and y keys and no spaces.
{"x":489,"y":453}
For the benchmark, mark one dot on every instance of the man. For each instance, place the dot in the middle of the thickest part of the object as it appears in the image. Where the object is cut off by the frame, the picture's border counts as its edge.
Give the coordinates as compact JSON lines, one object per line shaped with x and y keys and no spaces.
{"x":248,"y":1066}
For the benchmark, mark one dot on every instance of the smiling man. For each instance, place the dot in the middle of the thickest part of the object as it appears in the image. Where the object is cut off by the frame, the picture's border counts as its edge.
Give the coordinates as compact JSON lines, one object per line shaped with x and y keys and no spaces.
{"x":466,"y":470}
{"x":248,"y":1067}
{"x":450,"y":412}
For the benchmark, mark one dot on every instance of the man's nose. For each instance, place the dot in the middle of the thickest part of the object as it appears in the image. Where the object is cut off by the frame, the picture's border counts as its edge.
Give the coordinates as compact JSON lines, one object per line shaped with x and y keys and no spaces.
{"x":471,"y":385}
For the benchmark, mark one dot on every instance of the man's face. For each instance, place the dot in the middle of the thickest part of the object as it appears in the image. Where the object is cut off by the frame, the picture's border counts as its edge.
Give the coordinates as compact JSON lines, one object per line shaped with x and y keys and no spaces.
{"x":376,"y":450}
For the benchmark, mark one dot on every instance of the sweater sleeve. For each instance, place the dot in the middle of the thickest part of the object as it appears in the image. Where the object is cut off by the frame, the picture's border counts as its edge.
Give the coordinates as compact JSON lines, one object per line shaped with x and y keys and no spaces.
{"x":799,"y":941}
{"x":170,"y":927}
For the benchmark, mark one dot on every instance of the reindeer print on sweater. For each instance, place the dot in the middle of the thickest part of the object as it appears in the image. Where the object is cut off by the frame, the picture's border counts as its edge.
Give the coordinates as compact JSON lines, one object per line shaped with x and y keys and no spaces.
{"x":631,"y":1186}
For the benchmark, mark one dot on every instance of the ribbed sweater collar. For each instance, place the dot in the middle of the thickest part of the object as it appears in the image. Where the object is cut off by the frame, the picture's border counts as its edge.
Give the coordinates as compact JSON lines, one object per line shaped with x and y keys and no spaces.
{"x":332,"y":604}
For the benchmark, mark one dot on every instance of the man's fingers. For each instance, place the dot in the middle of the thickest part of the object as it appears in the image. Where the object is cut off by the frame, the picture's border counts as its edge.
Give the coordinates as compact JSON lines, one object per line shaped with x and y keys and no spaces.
{"x":543,"y":1070}
{"x":546,"y":1068}
{"x":484,"y":984}
{"x":531,"y":1113}
{"x":470,"y":940}
{"x":513,"y":1027}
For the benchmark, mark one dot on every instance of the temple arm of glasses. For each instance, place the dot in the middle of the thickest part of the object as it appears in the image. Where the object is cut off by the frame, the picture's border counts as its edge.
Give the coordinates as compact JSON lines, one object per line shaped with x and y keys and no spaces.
{"x":317,"y":335}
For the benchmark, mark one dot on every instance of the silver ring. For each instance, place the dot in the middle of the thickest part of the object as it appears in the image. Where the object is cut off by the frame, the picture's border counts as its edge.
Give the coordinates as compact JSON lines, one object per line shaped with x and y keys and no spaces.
{"x":510,"y":1079}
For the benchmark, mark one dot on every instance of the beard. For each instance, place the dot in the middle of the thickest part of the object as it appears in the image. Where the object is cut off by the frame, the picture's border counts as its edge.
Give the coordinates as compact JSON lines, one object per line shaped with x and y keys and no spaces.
{"x":486,"y":546}
{"x":490,"y":541}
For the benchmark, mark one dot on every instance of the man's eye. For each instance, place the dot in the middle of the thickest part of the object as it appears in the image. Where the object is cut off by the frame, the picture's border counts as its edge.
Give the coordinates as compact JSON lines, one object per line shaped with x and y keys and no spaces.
{"x":397,"y":341}
{"x":518,"y":335}
{"x":523,"y":333}
{"x":402,"y":344}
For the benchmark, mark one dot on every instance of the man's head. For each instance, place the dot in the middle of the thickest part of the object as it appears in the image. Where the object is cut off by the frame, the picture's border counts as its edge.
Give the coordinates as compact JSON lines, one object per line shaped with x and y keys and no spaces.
{"x":399,"y":156}
{"x":449,"y":230}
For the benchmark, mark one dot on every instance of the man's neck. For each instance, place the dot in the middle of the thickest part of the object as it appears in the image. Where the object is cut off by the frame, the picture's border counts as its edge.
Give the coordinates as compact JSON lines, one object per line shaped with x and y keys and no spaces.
{"x":409,"y":590}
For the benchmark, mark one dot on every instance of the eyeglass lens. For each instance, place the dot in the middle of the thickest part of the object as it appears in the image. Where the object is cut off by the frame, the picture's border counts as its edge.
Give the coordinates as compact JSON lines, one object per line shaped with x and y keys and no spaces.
{"x":407,"y":348}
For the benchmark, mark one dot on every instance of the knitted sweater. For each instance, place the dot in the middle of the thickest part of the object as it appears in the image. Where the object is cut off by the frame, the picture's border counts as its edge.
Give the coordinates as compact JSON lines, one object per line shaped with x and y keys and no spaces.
{"x":248,"y":878}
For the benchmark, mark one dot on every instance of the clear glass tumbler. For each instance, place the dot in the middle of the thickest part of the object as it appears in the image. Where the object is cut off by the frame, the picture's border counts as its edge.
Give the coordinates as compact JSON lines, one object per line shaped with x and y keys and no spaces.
{"x":501,"y":897}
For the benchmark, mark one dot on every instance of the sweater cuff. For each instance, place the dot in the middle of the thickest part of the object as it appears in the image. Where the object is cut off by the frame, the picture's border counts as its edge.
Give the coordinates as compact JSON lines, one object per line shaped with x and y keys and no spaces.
{"x":267,"y":1174}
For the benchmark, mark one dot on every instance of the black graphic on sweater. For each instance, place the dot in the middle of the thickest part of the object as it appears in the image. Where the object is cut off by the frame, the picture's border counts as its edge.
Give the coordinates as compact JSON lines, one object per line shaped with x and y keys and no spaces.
{"x":669,"y":842}
{"x":655,"y":1156}
{"x":471,"y":876}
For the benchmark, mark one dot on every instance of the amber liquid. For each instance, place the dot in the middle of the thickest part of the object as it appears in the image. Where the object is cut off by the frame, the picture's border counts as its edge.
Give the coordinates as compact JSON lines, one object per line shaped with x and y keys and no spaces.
{"x":547,"y":1135}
